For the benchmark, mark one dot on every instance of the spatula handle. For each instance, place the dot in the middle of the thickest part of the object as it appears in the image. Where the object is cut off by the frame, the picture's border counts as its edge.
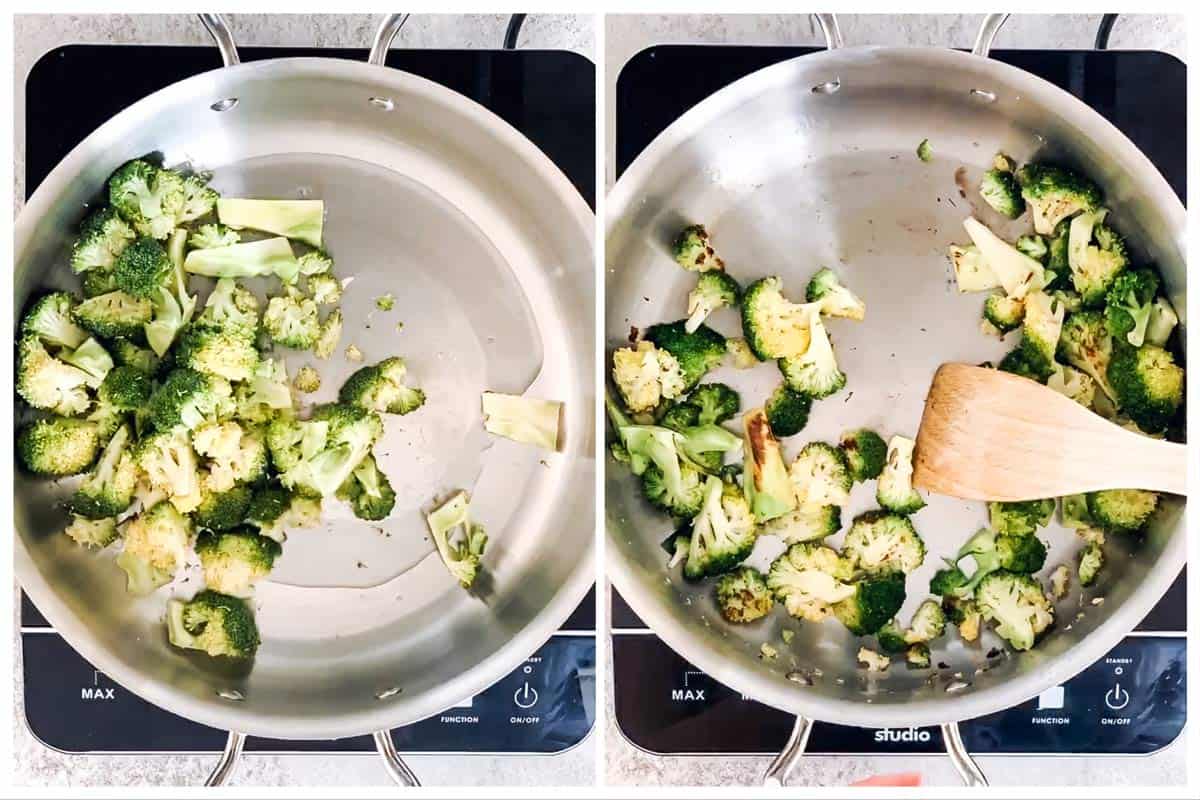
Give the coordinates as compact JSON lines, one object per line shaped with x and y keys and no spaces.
{"x":1144,"y":463}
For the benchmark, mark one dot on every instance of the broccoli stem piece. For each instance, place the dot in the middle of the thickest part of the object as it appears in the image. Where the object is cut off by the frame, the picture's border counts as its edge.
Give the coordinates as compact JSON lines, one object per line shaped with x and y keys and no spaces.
{"x":301,"y":220}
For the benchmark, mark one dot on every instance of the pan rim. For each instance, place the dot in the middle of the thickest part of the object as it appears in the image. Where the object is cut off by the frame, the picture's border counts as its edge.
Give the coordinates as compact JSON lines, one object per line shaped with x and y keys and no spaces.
{"x":622,"y":199}
{"x":401,"y":710}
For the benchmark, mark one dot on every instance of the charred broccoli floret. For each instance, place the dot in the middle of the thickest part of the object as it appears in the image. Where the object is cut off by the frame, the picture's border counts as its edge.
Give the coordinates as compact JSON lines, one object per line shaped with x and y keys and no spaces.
{"x":1017,"y":605}
{"x":223,"y":510}
{"x":768,"y":486}
{"x":58,"y":446}
{"x":381,"y":388}
{"x":809,"y":579}
{"x":368,"y":491}
{"x":1000,"y":190}
{"x":1004,"y":313}
{"x":722,"y":532}
{"x":832,"y":298}
{"x":49,"y":383}
{"x":806,"y":524}
{"x":463,"y":555}
{"x":928,"y":623}
{"x":787,"y":410}
{"x":108,"y":489}
{"x":821,"y":476}
{"x":693,"y":250}
{"x":49,"y":318}
{"x":646,"y":375}
{"x":866,"y":453}
{"x":882,"y":542}
{"x":157,"y":542}
{"x":1054,"y":193}
{"x":816,"y":372}
{"x":1086,"y":344}
{"x":233,"y":560}
{"x":696,"y":352}
{"x":743,"y":595}
{"x":894,"y":490}
{"x":774,"y":326}
{"x":228,"y":352}
{"x":1094,"y":267}
{"x":1148,"y":385}
{"x":215,"y":623}
{"x":1122,"y":510}
{"x":92,"y":532}
{"x":875,"y":601}
{"x":714,"y":289}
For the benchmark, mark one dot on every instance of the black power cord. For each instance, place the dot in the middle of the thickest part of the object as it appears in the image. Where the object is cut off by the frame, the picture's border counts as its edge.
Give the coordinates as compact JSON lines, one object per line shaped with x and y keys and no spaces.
{"x":514,"y":30}
{"x":1102,"y":33}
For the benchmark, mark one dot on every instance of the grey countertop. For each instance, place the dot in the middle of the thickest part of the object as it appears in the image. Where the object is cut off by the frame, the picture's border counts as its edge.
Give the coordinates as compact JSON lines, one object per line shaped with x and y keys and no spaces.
{"x":37,"y":765}
{"x":626,"y":35}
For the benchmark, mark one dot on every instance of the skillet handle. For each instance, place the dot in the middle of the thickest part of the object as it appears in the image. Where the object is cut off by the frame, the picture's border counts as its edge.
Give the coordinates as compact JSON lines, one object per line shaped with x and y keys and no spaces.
{"x":964,"y":765}
{"x":777,"y":774}
{"x":391,"y":25}
{"x":229,"y":759}
{"x":392,"y":762}
{"x":992,"y":24}
{"x":222,"y":37}
{"x":830,"y":30}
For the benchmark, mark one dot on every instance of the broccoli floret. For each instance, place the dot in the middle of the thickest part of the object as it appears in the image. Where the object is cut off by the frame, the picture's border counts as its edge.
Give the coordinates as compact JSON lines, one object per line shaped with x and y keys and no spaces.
{"x":97,"y":533}
{"x":965,"y":614}
{"x":102,"y":237}
{"x":231,"y":305}
{"x":148,"y":197}
{"x":917,"y":656}
{"x":722,"y":531}
{"x":302,"y":220}
{"x":714,"y":289}
{"x":743,"y":356}
{"x":1017,"y":605}
{"x":368,"y":491}
{"x":307,"y":380}
{"x":1148,"y":385}
{"x":693,"y":251}
{"x":225,"y":510}
{"x":821,"y":476}
{"x":925,"y":151}
{"x":1094,"y":267}
{"x":1122,"y":510}
{"x":45,"y":382}
{"x":50,"y":319}
{"x":92,"y":359}
{"x":1086,"y":344}
{"x":266,"y":393}
{"x":234,"y":454}
{"x":1000,"y":190}
{"x":743,"y":596}
{"x":1003,"y":312}
{"x":233,"y":560}
{"x":1091,"y":561}
{"x":891,"y":638}
{"x":971,"y":272}
{"x":292,"y":322}
{"x":213,"y":235}
{"x":816,"y":372}
{"x":1016,"y":272}
{"x":696,"y":352}
{"x":1073,"y":383}
{"x":775,"y":327}
{"x":1020,"y":518}
{"x":1034,"y":245}
{"x":228,"y":352}
{"x":97,"y":282}
{"x":880,"y":542}
{"x":273,"y":510}
{"x":157,"y":542}
{"x":947,"y":582}
{"x":992,"y":552}
{"x":805,"y":524}
{"x":1163,"y":320}
{"x":324,"y":289}
{"x":866,"y":453}
{"x":198,"y":198}
{"x":330,"y":333}
{"x":217,"y":624}
{"x":142,"y":268}
{"x":114,"y":315}
{"x":716,"y":403}
{"x":186,"y":398}
{"x":1128,"y":304}
{"x":832,"y":298}
{"x":1043,"y":327}
{"x":261,"y":258}
{"x":705,"y":447}
{"x":58,"y":446}
{"x":168,"y":319}
{"x":109,"y":489}
{"x":787,"y":410}
{"x":320,"y":454}
{"x":1075,"y":512}
{"x":681,"y":496}
{"x":809,"y":578}
{"x":894,"y":490}
{"x":928,"y":623}
{"x":170,"y":465}
{"x":646,"y":375}
{"x":1054,"y":193}
{"x":316,"y":262}
{"x":680,"y":416}
{"x":768,"y":486}
{"x":381,"y":388}
{"x":875,"y":601}
{"x":463,"y":555}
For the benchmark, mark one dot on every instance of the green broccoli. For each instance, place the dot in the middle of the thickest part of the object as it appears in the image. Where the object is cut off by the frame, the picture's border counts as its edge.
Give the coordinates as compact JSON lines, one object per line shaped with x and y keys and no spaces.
{"x":740,"y":353}
{"x":98,"y":533}
{"x":1074,"y":384}
{"x":1163,"y":320}
{"x":882,"y":542}
{"x":821,"y":476}
{"x":318,"y":455}
{"x":92,"y":359}
{"x":292,"y":321}
{"x":233,"y":454}
{"x":1000,"y":190}
{"x":169,"y":462}
{"x":928,"y":623}
{"x":714,"y":289}
{"x":228,"y":352}
{"x":891,"y":638}
{"x":460,"y":557}
{"x":324,"y":289}
{"x":806,"y":524}
{"x":186,"y":397}
{"x":971,"y":271}
{"x":1075,"y":512}
{"x":368,"y":491}
{"x":705,"y":447}
{"x":1003,"y":312}
{"x":680,"y":416}
{"x":233,"y":560}
{"x":274,"y":509}
{"x":301,"y":220}
{"x":222,"y":511}
{"x":947,"y":582}
{"x":1122,"y":510}
{"x":766,"y":482}
{"x":775,"y":327}
{"x":787,"y":410}
{"x":716,"y":403}
{"x":48,"y":383}
{"x":329,"y":334}
{"x":1129,"y":303}
{"x":1091,"y":561}
{"x":215,"y":623}
{"x":1034,"y":245}
{"x":875,"y":601}
{"x":681,"y":495}
{"x":98,"y":281}
{"x":696,"y":352}
{"x":198,"y":198}
{"x":257,"y":259}
{"x":1020,"y":518}
{"x":148,"y":197}
{"x":894,"y":490}
{"x":646,"y":375}
{"x":1017,"y":604}
{"x":692,"y":250}
{"x":1054,"y":193}
{"x":266,"y":394}
{"x":1086,"y":344}
{"x":58,"y":446}
{"x":316,"y":262}
{"x":816,"y":372}
{"x":992,"y":552}
{"x":866,"y":453}
{"x":109,"y":488}
{"x":917,"y":656}
{"x":722,"y":531}
{"x":743,"y":595}
{"x":50,"y":319}
{"x":102,"y":237}
{"x":307,"y":380}
{"x":157,"y":542}
{"x":1095,"y":267}
{"x":1043,"y":327}
{"x":834,"y":299}
{"x":1148,"y":385}
{"x":381,"y":388}
{"x":142,"y":268}
{"x":925,"y":151}
{"x":809,"y":579}
{"x":231,"y":305}
{"x":114,"y":315}
{"x":213,"y":235}
{"x":170,"y":315}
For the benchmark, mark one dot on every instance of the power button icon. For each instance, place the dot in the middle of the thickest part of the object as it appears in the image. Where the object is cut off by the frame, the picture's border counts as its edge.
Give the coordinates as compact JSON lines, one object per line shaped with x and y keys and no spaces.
{"x":1116,"y":698}
{"x":526,"y":696}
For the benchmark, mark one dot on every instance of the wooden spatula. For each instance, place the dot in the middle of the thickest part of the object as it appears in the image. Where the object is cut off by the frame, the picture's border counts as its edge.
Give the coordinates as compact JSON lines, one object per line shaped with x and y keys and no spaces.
{"x":990,"y":435}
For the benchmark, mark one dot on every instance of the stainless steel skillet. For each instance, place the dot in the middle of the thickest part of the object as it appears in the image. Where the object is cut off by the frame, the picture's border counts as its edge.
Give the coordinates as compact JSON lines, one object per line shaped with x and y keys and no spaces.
{"x":811,"y":162}
{"x":488,"y":250}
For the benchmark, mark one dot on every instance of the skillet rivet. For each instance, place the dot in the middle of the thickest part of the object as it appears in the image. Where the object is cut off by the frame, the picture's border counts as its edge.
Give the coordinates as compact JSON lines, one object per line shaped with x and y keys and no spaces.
{"x":984,"y":95}
{"x":382,"y":102}
{"x":829,"y":87}
{"x":224,"y":105}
